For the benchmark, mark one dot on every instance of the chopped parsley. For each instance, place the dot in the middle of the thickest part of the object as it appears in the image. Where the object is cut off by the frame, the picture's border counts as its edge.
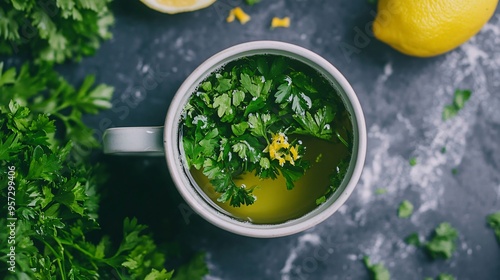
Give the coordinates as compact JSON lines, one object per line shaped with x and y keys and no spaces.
{"x":413,"y":161}
{"x":413,"y":239}
{"x":494,"y":222}
{"x":377,"y":271}
{"x":249,"y":117}
{"x":252,"y":2}
{"x":380,"y":191}
{"x":442,"y":244}
{"x":459,"y":99}
{"x":405,"y":209}
{"x":442,"y":276}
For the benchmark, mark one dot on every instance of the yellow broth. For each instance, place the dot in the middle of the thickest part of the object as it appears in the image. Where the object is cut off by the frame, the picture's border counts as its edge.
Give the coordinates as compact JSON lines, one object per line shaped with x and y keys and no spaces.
{"x":276,"y":204}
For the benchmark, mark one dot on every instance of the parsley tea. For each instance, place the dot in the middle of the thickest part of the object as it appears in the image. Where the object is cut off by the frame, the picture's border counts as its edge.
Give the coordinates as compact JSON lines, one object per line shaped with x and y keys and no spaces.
{"x":253,"y":132}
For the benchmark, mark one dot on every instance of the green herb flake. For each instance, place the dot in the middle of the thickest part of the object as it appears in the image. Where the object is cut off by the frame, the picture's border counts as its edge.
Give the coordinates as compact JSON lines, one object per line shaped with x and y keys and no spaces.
{"x":195,"y":269}
{"x":413,"y":161}
{"x":319,"y":158}
{"x":494,"y":222}
{"x":380,"y":191}
{"x":405,"y":209}
{"x":444,"y":276}
{"x":459,"y":99}
{"x":413,"y":239}
{"x":442,"y":244}
{"x":252,"y":2}
{"x":377,"y":271}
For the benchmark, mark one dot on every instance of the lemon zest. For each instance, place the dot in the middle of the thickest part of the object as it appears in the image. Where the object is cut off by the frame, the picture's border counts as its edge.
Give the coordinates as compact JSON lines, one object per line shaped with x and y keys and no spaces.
{"x":239,"y":14}
{"x":230,"y":17}
{"x":279,"y":149}
{"x":280,"y":22}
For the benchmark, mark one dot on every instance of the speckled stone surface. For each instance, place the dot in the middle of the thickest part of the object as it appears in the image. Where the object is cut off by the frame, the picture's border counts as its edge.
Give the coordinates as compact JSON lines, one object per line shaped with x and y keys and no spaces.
{"x":402,"y":97}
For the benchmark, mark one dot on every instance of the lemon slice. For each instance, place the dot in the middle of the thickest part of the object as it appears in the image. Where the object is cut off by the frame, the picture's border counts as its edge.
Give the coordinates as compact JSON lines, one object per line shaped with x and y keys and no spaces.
{"x":177,"y":6}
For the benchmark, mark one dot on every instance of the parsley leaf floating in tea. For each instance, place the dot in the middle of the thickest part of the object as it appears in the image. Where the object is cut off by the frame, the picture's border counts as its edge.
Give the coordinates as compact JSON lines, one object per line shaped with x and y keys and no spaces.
{"x":405,"y":209}
{"x":377,"y":271}
{"x":335,"y":180}
{"x":494,"y":222}
{"x":442,"y":244}
{"x":249,"y":117}
{"x":459,"y":99}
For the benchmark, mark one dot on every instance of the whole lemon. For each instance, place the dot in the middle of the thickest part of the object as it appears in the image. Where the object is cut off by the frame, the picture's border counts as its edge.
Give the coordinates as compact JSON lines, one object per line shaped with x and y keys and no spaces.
{"x":430,"y":27}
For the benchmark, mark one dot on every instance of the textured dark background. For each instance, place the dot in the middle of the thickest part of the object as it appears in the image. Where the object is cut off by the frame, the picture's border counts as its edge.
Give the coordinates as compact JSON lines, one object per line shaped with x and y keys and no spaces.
{"x":402,"y":97}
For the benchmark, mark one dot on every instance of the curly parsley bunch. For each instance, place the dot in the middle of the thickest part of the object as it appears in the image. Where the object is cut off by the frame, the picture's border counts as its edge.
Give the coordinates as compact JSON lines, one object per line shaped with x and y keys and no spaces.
{"x":52,"y":189}
{"x":54,"y":31}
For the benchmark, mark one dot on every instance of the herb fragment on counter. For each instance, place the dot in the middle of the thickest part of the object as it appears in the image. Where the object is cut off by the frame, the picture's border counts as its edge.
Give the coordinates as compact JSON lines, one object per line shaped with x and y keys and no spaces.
{"x":459,"y":99}
{"x":377,"y":271}
{"x":442,"y":244}
{"x":53,"y":32}
{"x":413,"y":161}
{"x":195,"y":269}
{"x":380,"y":191}
{"x":413,"y":239}
{"x":494,"y":222}
{"x":442,"y":276}
{"x":405,"y":209}
{"x":252,"y":2}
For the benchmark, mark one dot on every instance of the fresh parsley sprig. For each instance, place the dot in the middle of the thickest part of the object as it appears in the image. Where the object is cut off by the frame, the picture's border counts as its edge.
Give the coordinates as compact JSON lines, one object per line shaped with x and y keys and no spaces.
{"x":43,"y":91}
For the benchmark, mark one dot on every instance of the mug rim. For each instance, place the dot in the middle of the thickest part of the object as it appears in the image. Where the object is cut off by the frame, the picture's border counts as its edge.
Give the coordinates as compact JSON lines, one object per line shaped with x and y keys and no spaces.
{"x":175,"y":162}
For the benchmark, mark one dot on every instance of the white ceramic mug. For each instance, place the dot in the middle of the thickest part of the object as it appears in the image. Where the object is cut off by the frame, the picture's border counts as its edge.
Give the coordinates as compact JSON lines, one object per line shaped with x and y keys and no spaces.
{"x":166,"y":141}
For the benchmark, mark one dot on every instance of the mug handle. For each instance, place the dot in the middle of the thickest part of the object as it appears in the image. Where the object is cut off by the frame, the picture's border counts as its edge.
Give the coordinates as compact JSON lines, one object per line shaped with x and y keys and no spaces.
{"x":138,"y":141}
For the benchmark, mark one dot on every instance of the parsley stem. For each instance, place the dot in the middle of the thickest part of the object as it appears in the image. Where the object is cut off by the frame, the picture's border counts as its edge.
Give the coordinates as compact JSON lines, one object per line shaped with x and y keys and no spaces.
{"x":58,"y":258}
{"x":341,"y":139}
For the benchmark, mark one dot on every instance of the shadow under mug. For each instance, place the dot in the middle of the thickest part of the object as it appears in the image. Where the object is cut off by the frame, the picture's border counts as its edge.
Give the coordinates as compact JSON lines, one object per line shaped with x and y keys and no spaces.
{"x":165,"y":141}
